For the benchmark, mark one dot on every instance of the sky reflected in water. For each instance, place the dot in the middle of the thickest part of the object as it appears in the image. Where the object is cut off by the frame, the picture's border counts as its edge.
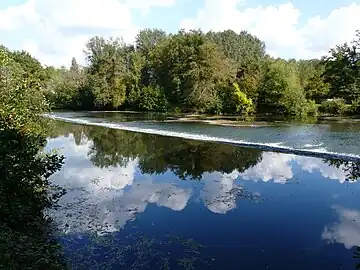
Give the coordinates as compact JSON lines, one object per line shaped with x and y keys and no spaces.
{"x":140,"y":201}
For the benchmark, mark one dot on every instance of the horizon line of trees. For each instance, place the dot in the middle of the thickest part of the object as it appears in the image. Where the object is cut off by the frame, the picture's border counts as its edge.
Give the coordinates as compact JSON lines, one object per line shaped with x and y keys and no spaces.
{"x":214,"y":72}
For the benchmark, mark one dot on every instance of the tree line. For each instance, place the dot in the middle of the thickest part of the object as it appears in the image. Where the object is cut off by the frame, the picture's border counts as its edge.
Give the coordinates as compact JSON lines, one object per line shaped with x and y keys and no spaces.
{"x":215,"y":72}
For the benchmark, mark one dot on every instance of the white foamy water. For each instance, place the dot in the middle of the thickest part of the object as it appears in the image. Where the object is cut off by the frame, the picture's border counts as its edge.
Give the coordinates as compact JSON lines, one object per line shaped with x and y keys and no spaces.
{"x":311,"y":149}
{"x":308,"y":145}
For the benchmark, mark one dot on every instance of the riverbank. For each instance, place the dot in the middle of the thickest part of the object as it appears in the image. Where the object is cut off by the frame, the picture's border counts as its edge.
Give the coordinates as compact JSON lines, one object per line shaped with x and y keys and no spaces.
{"x":221,"y":120}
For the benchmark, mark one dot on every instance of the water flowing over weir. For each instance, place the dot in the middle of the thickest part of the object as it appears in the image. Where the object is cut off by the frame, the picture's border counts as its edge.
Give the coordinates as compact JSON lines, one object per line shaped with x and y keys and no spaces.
{"x":273,"y":147}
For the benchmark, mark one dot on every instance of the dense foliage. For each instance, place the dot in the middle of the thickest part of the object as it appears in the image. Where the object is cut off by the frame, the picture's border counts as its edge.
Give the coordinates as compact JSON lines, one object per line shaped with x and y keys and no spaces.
{"x":26,"y":239}
{"x":215,"y":72}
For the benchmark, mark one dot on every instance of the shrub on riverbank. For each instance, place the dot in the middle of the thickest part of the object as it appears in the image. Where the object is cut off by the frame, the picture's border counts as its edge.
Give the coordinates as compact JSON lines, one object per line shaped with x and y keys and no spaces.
{"x":333,"y":107}
{"x":354,"y":108}
{"x":26,"y":233}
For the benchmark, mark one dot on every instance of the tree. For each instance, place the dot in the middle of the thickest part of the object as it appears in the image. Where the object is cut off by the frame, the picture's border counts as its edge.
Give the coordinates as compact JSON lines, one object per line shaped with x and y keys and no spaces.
{"x":281,"y":91}
{"x":236,"y":101}
{"x":74,"y":68}
{"x":106,"y":71}
{"x":26,"y":239}
{"x":133,"y":79}
{"x":306,"y":69}
{"x":342,"y":70}
{"x":65,"y":86}
{"x":29,"y":64}
{"x":21,"y":96}
{"x":146,"y":42}
{"x":152,"y":99}
{"x":247,"y":53}
{"x":196,"y":72}
{"x":191,"y":69}
{"x":148,"y":39}
{"x":315,"y":87}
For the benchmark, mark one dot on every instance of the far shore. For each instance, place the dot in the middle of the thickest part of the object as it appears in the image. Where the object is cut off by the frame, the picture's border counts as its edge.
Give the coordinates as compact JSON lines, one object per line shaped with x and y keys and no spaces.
{"x":229,"y":120}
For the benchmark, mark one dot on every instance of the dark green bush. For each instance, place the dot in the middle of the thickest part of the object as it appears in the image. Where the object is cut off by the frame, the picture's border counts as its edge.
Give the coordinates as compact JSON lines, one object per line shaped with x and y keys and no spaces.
{"x":333,"y":107}
{"x":26,"y":235}
{"x":152,"y":99}
{"x":354,"y":108}
{"x":311,"y":108}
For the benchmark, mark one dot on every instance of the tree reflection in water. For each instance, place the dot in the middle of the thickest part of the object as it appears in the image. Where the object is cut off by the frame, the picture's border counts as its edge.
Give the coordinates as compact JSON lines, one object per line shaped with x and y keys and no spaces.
{"x":352,"y":171}
{"x":156,"y":155}
{"x":351,"y":168}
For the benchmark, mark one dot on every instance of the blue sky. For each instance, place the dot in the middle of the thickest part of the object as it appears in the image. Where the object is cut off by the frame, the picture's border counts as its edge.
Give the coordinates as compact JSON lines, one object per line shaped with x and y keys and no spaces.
{"x":56,"y":30}
{"x":170,"y":18}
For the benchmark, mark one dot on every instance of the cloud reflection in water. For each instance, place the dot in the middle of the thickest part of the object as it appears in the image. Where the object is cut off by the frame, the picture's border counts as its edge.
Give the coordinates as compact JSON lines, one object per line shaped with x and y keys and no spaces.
{"x":96,"y":200}
{"x":104,"y":199}
{"x":347,"y":230}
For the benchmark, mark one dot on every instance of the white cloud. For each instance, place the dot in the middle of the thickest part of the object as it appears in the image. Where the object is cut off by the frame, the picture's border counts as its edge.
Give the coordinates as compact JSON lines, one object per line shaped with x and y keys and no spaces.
{"x":55,"y":31}
{"x":13,"y":18}
{"x":108,"y":14}
{"x":169,"y":196}
{"x":145,"y":5}
{"x":347,"y":230}
{"x":339,"y":26}
{"x":279,"y":26}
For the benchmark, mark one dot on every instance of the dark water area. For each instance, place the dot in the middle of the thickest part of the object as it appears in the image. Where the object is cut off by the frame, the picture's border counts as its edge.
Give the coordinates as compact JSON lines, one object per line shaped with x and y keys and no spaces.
{"x":144,"y":201}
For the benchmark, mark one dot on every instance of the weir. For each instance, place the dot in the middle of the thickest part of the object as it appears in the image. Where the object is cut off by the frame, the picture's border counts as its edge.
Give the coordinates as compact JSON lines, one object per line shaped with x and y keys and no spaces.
{"x":273,"y":147}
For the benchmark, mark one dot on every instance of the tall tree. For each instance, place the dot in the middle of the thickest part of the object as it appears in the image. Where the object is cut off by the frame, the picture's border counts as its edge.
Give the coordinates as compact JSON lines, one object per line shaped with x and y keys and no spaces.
{"x":135,"y":65}
{"x":29,"y":64}
{"x":247,"y":52}
{"x":106,"y":71}
{"x":315,"y":88}
{"x":21,"y":95}
{"x":306,"y":69}
{"x":342,"y":70}
{"x":74,"y":68}
{"x":281,"y":91}
{"x":146,"y":41}
{"x":191,"y":70}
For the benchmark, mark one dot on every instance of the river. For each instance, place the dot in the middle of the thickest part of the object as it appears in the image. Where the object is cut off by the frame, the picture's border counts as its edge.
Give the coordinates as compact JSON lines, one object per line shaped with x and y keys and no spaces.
{"x":150,"y":194}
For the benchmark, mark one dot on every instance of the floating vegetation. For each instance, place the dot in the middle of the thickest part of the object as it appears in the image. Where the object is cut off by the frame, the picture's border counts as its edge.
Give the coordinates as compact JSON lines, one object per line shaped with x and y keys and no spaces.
{"x":230,"y":197}
{"x":133,"y":251}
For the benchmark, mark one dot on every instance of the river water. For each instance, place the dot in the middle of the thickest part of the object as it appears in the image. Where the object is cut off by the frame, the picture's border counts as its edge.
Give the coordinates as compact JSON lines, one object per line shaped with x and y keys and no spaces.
{"x":149,"y":194}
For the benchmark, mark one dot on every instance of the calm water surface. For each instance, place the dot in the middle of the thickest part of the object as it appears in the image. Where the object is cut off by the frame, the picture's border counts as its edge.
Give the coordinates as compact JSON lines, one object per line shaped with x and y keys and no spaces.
{"x":324,"y":137}
{"x":144,"y":201}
